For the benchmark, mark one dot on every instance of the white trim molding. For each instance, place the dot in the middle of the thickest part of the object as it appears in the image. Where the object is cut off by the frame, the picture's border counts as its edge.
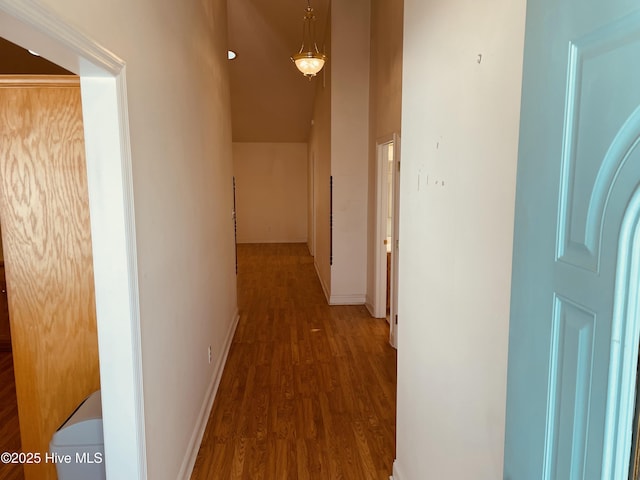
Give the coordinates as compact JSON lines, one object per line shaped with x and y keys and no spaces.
{"x":369,"y":305}
{"x":355,"y":299}
{"x":322,"y":284}
{"x":205,"y":411}
{"x":108,"y":156}
{"x":380,"y":281}
{"x":396,"y":471}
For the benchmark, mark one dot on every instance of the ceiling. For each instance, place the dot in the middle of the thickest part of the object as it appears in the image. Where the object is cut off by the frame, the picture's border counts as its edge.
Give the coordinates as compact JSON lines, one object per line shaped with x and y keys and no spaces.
{"x":16,"y":60}
{"x":270,"y":100}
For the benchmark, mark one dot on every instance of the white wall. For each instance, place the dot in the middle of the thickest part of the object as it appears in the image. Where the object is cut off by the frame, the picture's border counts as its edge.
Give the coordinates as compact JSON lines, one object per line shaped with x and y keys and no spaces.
{"x":271,"y":192}
{"x":320,"y":151}
{"x":178,"y":99}
{"x":349,"y":149}
{"x":459,"y":150}
{"x":339,"y":144}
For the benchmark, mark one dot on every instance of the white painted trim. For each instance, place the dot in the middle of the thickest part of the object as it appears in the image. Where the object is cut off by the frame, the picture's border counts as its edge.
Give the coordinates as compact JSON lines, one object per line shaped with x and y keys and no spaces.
{"x":108,"y":154}
{"x":380,"y":255}
{"x":369,"y":305}
{"x":623,"y":361}
{"x":357,"y":299}
{"x":395,"y":240}
{"x":115,"y":273}
{"x":396,"y":471}
{"x":324,"y":287}
{"x":379,"y":305}
{"x":31,"y":25}
{"x":205,"y":411}
{"x":354,"y":299}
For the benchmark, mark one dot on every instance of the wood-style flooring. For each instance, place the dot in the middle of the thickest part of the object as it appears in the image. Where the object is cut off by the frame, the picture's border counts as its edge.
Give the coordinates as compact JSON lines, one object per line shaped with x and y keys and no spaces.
{"x":9,"y":425}
{"x":308,"y":391}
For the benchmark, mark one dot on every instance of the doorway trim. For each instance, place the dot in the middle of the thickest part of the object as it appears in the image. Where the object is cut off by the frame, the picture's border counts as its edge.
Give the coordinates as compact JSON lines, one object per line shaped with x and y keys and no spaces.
{"x":108,"y":159}
{"x":379,"y":306}
{"x":625,"y":335}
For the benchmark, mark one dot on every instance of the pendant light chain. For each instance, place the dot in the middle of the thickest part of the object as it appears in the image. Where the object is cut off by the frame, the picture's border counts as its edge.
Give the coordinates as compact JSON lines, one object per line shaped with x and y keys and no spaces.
{"x":309,"y":60}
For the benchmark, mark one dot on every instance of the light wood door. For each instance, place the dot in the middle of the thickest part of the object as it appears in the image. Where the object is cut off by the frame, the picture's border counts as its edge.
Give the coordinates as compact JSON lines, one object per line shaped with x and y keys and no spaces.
{"x":44,"y":214}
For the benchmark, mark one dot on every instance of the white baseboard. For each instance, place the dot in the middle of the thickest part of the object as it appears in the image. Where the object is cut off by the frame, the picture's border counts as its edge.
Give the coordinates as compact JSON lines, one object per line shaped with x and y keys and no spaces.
{"x":347,"y":300}
{"x":324,"y":287}
{"x":357,"y":299}
{"x":369,"y":306}
{"x":396,"y":471}
{"x":205,"y":411}
{"x":372,"y":311}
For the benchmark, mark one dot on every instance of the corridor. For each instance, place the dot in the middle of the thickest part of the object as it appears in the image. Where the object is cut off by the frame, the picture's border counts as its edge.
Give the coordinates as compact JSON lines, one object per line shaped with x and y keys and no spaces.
{"x":308,"y":391}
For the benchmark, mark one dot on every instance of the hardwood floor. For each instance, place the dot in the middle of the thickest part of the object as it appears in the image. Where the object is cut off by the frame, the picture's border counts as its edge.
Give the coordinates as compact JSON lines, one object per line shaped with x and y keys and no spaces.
{"x":308,"y":392}
{"x":9,"y":425}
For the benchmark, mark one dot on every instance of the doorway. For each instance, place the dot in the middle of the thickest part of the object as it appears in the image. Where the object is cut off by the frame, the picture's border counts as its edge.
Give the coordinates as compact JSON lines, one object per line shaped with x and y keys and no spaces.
{"x":10,"y":429}
{"x":5,"y":329}
{"x":386,"y":239}
{"x":108,"y":152}
{"x":16,"y":61}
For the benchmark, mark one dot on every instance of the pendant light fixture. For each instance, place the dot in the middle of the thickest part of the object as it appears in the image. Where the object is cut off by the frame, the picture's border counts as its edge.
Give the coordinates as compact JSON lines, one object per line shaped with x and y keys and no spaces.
{"x":309,"y":60}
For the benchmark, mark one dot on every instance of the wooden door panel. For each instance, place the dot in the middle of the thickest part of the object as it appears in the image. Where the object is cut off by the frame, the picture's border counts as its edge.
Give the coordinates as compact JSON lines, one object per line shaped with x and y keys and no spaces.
{"x":47,"y":248}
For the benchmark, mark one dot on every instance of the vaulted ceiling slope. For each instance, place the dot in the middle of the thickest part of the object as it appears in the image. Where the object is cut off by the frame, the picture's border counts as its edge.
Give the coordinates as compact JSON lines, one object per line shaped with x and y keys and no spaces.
{"x":270,"y":100}
{"x":15,"y":60}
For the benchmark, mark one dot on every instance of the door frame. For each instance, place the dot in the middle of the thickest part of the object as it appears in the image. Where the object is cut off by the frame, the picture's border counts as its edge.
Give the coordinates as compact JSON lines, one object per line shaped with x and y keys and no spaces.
{"x":109,"y":174}
{"x":380,"y":253}
{"x":623,"y":363}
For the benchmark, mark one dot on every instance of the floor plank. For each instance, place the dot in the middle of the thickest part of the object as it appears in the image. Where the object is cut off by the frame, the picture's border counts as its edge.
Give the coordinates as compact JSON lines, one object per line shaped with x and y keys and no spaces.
{"x":308,"y":391}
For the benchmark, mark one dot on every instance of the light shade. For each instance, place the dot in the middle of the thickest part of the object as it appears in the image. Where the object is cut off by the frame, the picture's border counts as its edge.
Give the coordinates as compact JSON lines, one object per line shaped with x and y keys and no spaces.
{"x":309,"y":63}
{"x":309,"y":60}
